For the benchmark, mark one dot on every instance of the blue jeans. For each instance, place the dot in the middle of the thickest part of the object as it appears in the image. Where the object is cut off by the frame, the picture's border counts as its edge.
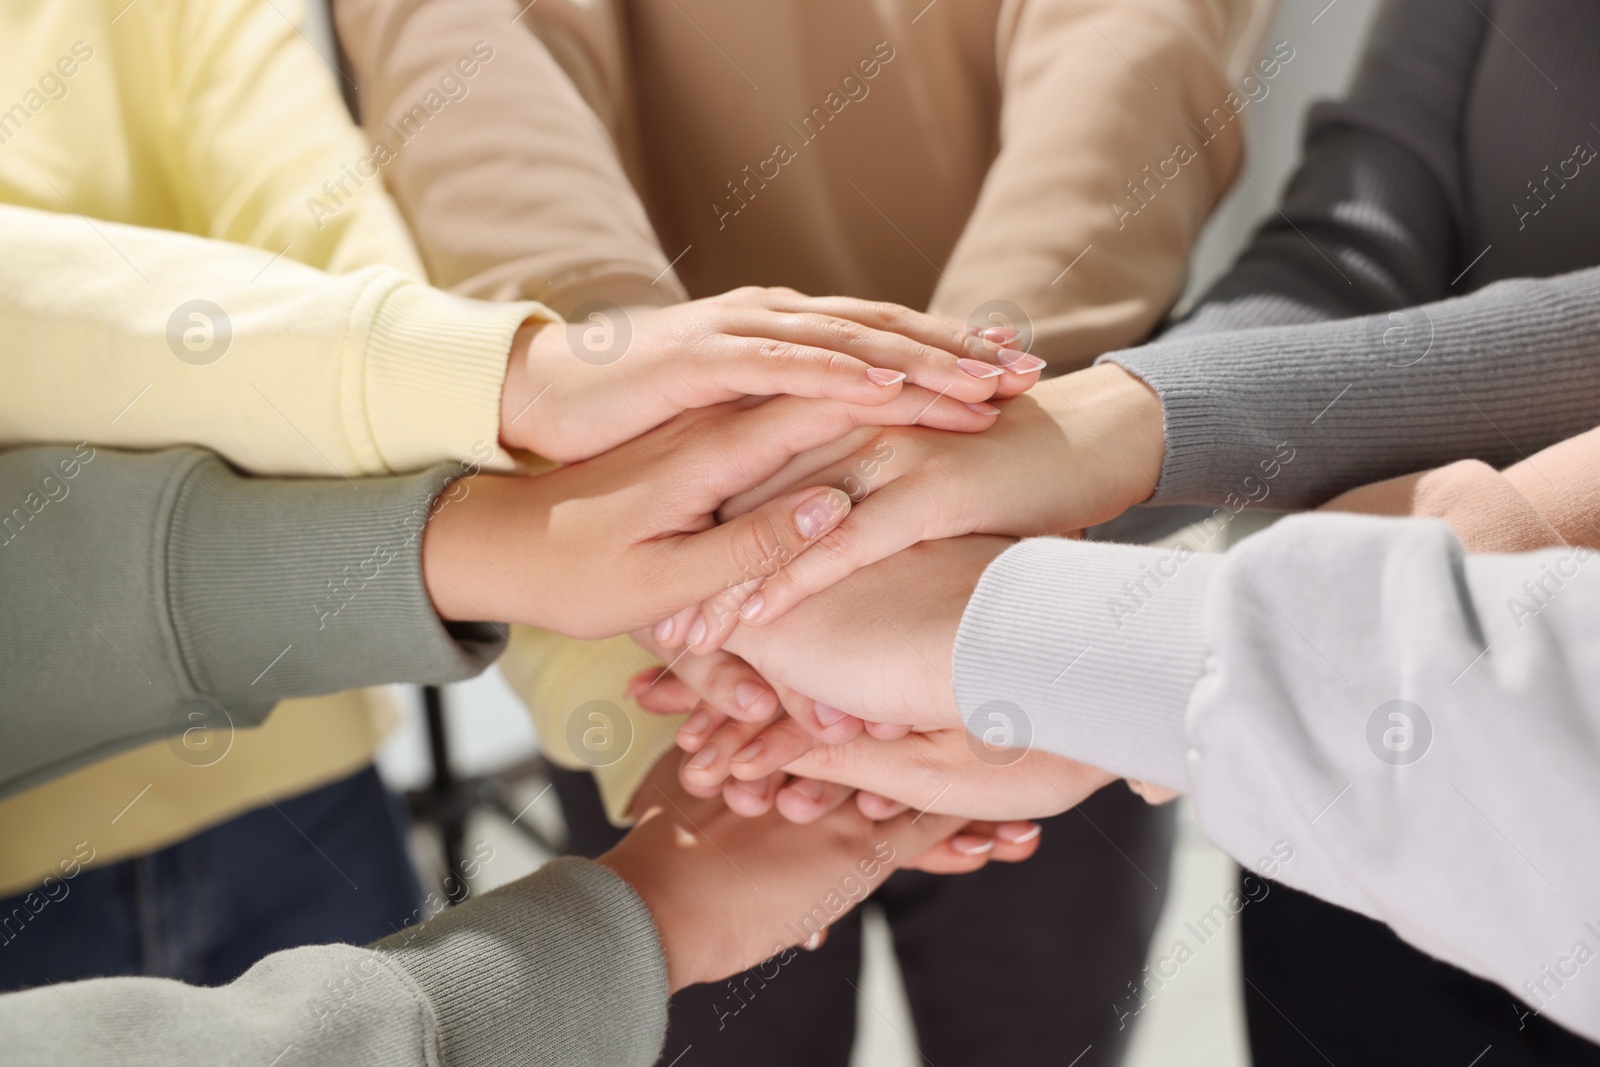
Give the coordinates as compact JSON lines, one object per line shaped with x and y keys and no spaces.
{"x":328,"y":865}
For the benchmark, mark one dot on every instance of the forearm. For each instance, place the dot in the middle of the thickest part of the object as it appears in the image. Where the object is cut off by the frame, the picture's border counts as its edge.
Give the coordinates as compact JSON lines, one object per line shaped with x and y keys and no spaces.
{"x":1370,"y":221}
{"x":1289,"y":417}
{"x":1054,"y":229}
{"x":518,"y":191}
{"x":572,"y":947}
{"x":1267,"y":699}
{"x":286,"y":370}
{"x":160,"y":582}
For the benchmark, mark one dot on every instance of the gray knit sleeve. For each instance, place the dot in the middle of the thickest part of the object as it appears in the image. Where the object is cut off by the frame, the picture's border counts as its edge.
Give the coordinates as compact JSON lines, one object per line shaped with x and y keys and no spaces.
{"x":1372,"y":217}
{"x":560,"y":969}
{"x":145,"y":588}
{"x":1290,"y":416}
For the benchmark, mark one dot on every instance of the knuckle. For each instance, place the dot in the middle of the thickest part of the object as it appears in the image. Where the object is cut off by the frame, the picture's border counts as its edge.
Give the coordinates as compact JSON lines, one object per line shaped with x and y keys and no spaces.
{"x":842,"y":333}
{"x":761,"y":549}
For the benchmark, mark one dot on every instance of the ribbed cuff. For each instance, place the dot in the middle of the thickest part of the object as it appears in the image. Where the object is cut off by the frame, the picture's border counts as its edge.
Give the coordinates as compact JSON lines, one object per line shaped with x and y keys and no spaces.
{"x":1098,"y":646}
{"x":435,"y":365}
{"x":280,"y":588}
{"x":563,"y":966}
{"x":556,"y":676}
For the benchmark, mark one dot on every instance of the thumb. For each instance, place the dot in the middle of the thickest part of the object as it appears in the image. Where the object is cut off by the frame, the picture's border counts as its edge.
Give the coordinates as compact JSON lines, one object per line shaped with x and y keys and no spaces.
{"x":730,"y":561}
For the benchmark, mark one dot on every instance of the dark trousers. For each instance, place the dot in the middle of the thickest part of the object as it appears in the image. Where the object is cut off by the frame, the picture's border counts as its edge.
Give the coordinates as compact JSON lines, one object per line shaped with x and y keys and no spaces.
{"x":1015,"y":964}
{"x":1323,"y":984}
{"x":325,"y":866}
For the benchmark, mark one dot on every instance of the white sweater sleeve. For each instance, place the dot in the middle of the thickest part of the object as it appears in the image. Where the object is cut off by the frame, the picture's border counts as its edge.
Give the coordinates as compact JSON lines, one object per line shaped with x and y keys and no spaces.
{"x":1420,"y":727}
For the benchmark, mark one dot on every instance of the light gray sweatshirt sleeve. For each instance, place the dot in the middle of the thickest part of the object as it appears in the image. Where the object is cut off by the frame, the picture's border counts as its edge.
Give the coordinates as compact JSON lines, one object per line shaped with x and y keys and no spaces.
{"x":143,"y":586}
{"x":562,"y":968}
{"x":1418,"y":728}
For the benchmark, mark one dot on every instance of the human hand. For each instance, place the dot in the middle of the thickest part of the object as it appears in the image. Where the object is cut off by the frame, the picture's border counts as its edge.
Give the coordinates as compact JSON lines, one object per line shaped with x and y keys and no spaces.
{"x":603,"y":546}
{"x":1073,"y":452}
{"x":804,"y":801}
{"x":879,"y":646}
{"x":576,"y":390}
{"x":728,"y":891}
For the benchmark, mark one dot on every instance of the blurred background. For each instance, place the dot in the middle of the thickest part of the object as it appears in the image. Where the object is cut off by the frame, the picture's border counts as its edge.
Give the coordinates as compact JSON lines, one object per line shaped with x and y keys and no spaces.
{"x":1196,"y":1018}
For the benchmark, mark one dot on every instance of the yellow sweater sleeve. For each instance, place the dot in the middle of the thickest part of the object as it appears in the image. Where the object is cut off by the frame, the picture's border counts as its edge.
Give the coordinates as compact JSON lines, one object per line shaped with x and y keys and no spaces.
{"x":199,"y":250}
{"x":287,"y":371}
{"x":573,"y":690}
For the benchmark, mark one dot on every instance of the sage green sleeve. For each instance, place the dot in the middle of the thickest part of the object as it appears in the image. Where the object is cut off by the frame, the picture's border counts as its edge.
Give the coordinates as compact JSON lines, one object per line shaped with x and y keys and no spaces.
{"x":562,"y":968}
{"x":139,"y":587}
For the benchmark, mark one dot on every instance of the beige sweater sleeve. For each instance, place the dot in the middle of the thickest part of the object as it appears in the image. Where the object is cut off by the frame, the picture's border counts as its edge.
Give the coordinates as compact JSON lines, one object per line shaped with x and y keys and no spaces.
{"x":1093,"y":91}
{"x":1549,"y":498}
{"x":518,"y":131}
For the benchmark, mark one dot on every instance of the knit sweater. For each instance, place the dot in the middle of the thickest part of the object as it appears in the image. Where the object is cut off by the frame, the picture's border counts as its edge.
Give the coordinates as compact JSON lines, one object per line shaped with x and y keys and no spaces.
{"x":1415,"y":724}
{"x":161,"y":589}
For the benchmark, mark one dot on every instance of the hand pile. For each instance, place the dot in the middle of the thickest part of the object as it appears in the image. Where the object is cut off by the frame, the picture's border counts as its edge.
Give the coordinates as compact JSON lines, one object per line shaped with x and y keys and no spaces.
{"x":803,"y":493}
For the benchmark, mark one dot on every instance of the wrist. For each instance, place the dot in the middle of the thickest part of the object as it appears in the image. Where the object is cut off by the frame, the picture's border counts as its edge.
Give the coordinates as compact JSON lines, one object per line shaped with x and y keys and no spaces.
{"x":475,"y":550}
{"x":668,"y":928}
{"x":1114,"y":424}
{"x":526,"y":378}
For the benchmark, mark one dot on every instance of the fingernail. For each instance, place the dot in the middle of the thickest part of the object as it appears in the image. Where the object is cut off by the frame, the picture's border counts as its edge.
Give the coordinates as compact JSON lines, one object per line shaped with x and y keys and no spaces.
{"x":1019,"y":362}
{"x":749,"y":752}
{"x":752,"y":607}
{"x":809,"y":788}
{"x":811,"y":943}
{"x":827,"y":715}
{"x":696,"y":723}
{"x":747,"y":693}
{"x":969,"y":845}
{"x":1000,"y":334}
{"x":979,"y":369}
{"x":663,"y":630}
{"x":884,"y":376}
{"x":756,"y":789}
{"x":697,"y":632}
{"x":1017,"y":833}
{"x":984,"y":409}
{"x":812,"y":517}
{"x":704,"y":758}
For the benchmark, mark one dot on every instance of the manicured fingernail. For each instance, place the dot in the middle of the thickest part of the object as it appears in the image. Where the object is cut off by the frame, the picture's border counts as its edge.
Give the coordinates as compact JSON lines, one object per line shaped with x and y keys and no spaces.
{"x":812,"y":517}
{"x":1019,"y":362}
{"x":809,"y":788}
{"x":697,"y":632}
{"x":704,"y":758}
{"x":979,"y":369}
{"x":747,"y":693}
{"x":1017,"y":833}
{"x":884,"y":376}
{"x":984,"y":409}
{"x":664,"y":628}
{"x":811,"y":943}
{"x":697,"y":723}
{"x":970,"y":845}
{"x":749,"y":752}
{"x":752,"y":607}
{"x":827,"y":715}
{"x":1000,"y":334}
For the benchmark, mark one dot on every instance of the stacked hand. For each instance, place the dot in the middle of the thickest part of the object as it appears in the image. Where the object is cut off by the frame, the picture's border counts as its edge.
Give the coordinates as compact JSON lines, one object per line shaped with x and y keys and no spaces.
{"x":817,"y":534}
{"x":837,"y":674}
{"x":573,"y":391}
